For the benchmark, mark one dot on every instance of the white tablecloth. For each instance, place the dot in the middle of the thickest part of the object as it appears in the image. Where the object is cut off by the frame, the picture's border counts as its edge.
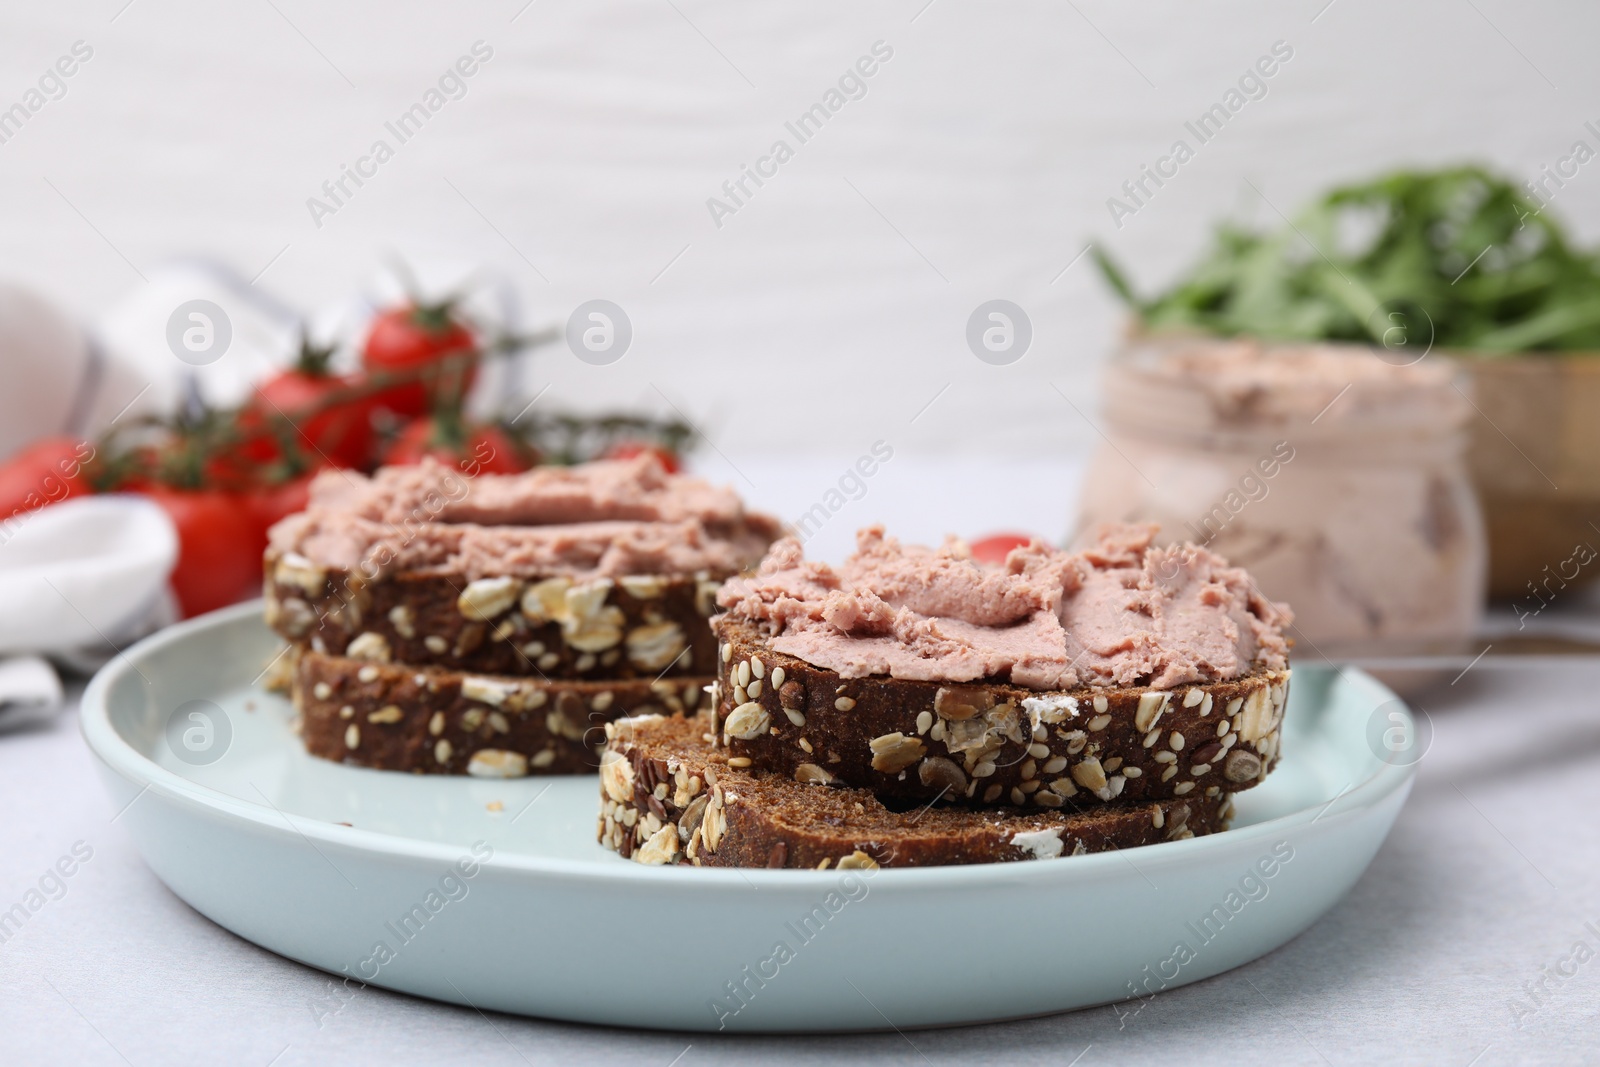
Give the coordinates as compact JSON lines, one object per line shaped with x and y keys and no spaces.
{"x":1449,"y":951}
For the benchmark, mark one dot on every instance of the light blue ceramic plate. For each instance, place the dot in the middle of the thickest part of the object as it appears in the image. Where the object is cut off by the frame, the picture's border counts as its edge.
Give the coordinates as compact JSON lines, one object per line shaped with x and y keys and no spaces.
{"x":495,"y":893}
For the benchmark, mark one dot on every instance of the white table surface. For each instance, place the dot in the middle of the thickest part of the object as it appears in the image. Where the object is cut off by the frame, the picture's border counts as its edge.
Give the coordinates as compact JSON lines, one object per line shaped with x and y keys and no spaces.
{"x":1484,"y":887}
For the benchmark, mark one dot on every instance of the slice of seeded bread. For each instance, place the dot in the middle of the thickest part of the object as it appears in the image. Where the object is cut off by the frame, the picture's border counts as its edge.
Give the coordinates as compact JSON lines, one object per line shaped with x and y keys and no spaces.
{"x":668,"y":795}
{"x":992,"y":743}
{"x":433,"y":721}
{"x":640,"y":626}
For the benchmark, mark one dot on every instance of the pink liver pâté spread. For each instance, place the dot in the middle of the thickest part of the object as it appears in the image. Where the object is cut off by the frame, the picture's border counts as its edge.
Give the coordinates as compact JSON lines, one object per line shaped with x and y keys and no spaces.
{"x":601,"y":519}
{"x":1117,"y":613}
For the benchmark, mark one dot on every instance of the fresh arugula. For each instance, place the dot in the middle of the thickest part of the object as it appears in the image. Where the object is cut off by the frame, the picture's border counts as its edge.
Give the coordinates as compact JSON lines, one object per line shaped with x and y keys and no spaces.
{"x":1460,"y":253}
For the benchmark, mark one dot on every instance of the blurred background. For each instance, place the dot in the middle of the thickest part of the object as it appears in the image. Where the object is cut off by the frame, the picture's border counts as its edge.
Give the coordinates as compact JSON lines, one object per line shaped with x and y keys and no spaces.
{"x":304,"y":167}
{"x":578,"y":165}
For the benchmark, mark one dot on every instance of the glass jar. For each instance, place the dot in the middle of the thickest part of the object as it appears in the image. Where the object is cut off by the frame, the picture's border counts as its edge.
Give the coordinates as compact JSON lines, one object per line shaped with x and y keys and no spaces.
{"x":1336,"y":478}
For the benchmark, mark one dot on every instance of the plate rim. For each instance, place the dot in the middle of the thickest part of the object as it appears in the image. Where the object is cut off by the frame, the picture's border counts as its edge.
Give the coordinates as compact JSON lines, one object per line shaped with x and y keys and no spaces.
{"x":120,"y":756}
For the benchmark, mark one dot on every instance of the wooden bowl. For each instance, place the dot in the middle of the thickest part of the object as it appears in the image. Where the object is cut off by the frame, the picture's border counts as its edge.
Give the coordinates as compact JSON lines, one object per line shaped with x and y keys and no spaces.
{"x":1535,"y":459}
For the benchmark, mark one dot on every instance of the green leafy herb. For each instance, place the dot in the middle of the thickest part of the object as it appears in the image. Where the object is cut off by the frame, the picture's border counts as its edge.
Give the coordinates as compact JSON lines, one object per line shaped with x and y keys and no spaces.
{"x":1461,"y":254}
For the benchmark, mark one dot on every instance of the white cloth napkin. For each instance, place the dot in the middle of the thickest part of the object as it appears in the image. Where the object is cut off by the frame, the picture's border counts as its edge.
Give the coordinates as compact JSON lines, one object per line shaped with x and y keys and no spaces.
{"x":29,"y":691}
{"x":77,"y":580}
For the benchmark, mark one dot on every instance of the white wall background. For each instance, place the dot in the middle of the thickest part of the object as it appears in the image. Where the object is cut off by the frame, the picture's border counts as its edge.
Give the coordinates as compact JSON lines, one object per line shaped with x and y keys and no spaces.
{"x":831,"y":309}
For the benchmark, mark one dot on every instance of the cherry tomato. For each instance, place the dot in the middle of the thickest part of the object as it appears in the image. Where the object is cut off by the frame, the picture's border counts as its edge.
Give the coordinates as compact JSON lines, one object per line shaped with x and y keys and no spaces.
{"x":47,"y":471}
{"x":334,"y":432}
{"x":267,"y":504}
{"x":219,"y":561}
{"x":475,"y":449}
{"x":631,"y":449}
{"x":995,"y":547}
{"x":329,"y":429}
{"x":429,"y":340}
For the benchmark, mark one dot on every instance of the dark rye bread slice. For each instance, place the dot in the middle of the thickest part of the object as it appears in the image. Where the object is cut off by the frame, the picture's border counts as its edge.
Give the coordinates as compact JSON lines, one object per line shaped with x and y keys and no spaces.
{"x":667,"y":795}
{"x":639,"y":626}
{"x":992,"y":743}
{"x":433,"y":721}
